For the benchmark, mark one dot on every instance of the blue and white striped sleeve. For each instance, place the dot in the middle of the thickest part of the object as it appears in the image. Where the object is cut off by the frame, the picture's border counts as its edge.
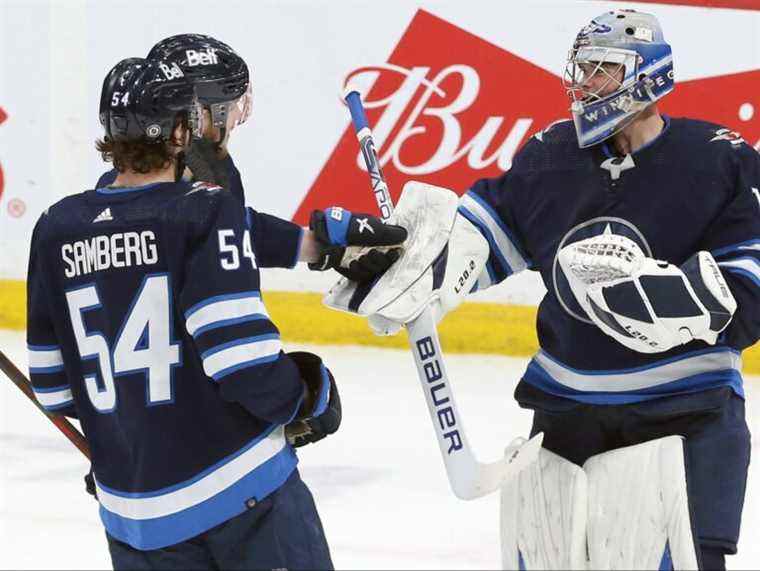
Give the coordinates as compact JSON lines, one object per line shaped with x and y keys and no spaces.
{"x":734,"y":241}
{"x":486,"y":206}
{"x":238,"y":345}
{"x":46,"y":369}
{"x":51,"y":387}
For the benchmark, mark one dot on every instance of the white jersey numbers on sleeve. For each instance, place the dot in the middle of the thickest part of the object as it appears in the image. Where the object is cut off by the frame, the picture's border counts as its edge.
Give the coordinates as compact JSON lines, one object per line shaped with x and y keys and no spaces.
{"x":229,"y":255}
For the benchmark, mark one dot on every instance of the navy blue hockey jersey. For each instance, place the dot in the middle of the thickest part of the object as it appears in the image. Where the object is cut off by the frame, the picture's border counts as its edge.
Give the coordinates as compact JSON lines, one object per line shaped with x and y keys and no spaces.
{"x":146,"y":321}
{"x":695,"y":187}
{"x":277,"y":242}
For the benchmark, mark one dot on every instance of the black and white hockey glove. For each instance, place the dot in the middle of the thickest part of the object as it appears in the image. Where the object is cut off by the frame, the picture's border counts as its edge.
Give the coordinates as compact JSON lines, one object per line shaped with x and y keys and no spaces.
{"x":358,"y":246}
{"x":661,"y":306}
{"x":320,"y":413}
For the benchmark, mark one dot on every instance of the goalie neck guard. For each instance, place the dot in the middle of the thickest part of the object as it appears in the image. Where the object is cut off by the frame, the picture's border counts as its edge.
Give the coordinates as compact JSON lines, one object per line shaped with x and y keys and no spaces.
{"x":618,"y":41}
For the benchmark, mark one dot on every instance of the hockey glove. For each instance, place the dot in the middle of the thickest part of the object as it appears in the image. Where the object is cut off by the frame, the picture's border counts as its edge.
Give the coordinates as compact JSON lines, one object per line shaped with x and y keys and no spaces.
{"x":320,"y":413}
{"x":202,"y":158}
{"x":89,"y":484}
{"x":661,"y":306}
{"x":355,"y":245}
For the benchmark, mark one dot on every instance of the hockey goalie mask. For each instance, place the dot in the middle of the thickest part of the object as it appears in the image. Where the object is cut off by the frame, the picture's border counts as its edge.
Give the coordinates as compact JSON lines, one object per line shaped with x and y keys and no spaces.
{"x":618,"y":66}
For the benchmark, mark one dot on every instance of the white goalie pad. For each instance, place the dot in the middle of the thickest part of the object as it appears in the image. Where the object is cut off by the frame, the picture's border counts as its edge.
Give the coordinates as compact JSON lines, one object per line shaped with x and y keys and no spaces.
{"x":442,"y":259}
{"x":638,"y":514}
{"x":543,"y":516}
{"x":625,"y":509}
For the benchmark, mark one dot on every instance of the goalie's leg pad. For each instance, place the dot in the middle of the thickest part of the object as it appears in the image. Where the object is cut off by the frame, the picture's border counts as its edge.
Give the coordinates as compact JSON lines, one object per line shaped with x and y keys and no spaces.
{"x":543,"y":516}
{"x":638,"y":512}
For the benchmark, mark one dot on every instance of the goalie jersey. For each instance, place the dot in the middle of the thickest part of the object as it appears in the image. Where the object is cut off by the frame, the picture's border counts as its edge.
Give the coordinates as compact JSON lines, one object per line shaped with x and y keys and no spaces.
{"x":695,"y":187}
{"x":146,"y":321}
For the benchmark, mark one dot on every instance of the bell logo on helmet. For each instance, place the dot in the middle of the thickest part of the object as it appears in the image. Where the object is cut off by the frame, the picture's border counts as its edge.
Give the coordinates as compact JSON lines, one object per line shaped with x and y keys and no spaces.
{"x":171,"y":72}
{"x":201,"y":57}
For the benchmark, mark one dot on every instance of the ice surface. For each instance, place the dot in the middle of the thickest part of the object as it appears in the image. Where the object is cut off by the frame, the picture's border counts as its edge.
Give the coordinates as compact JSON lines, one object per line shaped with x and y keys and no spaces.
{"x":379,"y":482}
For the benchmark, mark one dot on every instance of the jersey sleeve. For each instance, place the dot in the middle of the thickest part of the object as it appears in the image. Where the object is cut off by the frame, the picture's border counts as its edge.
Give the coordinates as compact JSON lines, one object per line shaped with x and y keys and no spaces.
{"x":239,"y":346}
{"x":489,"y":205}
{"x":734,"y":240}
{"x":46,"y":370}
{"x":276,"y":242}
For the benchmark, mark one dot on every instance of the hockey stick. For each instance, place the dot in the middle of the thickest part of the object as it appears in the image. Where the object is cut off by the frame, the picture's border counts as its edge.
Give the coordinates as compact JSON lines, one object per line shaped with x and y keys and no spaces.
{"x":20,"y":380}
{"x":469,"y":478}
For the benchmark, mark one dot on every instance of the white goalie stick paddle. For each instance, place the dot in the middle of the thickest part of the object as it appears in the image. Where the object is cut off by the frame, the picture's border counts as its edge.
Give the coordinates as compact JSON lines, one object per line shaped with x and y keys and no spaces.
{"x":469,"y":478}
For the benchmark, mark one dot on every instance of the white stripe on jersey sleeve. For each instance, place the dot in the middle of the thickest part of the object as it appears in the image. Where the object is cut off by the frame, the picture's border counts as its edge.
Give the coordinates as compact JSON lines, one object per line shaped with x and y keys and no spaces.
{"x":224,"y":310}
{"x":746,"y":265}
{"x":55,"y":397}
{"x":45,"y":359}
{"x":230,"y":357}
{"x":507,"y":248}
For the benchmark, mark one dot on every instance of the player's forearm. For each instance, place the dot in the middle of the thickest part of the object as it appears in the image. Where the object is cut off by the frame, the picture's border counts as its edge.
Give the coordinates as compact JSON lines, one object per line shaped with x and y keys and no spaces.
{"x":309,"y":249}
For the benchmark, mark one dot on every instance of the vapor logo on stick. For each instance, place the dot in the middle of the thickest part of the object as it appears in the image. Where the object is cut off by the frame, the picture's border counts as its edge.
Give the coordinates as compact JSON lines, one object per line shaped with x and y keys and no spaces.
{"x":448,"y":122}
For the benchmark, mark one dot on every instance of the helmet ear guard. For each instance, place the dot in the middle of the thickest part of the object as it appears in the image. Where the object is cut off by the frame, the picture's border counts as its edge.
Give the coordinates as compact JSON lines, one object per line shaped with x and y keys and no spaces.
{"x":635,"y":43}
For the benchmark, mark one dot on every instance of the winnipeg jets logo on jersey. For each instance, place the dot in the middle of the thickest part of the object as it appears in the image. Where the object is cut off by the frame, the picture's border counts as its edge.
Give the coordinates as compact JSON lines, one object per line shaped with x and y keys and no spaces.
{"x":594,"y":227}
{"x":207,"y":186}
{"x":728,"y":135}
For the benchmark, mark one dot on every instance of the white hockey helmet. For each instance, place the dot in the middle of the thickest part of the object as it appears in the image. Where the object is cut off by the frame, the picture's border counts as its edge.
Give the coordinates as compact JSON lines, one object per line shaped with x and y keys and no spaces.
{"x":634,"y":44}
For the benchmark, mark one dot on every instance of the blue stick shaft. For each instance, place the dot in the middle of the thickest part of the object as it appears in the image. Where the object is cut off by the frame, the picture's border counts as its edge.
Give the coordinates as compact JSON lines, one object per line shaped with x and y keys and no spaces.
{"x":358,"y":117}
{"x":367,"y":145}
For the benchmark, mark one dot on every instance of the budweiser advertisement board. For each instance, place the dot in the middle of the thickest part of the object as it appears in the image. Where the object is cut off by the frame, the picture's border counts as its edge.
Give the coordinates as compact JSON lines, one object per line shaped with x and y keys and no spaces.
{"x":451,"y":116}
{"x":453,"y":89}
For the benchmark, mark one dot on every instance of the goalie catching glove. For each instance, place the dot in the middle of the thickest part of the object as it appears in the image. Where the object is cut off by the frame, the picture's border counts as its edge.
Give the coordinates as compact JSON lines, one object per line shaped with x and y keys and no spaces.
{"x":441,"y":262}
{"x":358,"y":246}
{"x":320,"y":413}
{"x":648,"y":305}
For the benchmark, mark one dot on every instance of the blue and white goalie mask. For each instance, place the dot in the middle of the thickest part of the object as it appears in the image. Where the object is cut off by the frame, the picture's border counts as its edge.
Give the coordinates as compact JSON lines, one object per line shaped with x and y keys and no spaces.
{"x":619,"y":65}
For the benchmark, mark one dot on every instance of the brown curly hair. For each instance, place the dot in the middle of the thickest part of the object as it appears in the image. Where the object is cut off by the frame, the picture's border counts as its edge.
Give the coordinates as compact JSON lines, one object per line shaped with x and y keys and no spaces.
{"x":141,"y":155}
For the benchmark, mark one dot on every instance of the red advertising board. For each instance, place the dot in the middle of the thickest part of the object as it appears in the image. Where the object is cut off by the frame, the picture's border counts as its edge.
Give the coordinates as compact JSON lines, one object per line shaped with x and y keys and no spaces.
{"x":451,"y":115}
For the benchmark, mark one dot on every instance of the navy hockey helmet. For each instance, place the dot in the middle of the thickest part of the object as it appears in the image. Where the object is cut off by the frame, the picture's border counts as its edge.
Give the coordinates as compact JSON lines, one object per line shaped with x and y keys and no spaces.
{"x":629,"y":50}
{"x":220,"y":75}
{"x":142,"y":98}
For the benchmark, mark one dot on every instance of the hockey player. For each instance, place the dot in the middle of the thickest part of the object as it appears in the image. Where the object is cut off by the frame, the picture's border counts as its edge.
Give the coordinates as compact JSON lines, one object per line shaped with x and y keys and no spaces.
{"x":645,"y":343}
{"x":646,"y":232}
{"x":146,"y":321}
{"x":222,"y":81}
